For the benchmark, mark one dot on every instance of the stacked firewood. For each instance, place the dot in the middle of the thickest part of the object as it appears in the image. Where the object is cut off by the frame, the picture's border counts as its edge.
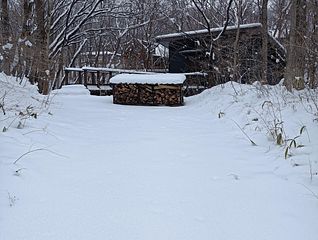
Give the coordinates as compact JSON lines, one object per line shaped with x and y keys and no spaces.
{"x":125,"y":94}
{"x":148,"y":94}
{"x":168,"y":95}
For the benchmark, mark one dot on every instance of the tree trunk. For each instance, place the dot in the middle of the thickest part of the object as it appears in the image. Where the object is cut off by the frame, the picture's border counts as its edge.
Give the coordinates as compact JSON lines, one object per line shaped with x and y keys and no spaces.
{"x":24,"y":45}
{"x":313,"y":45}
{"x":40,"y":70}
{"x":5,"y":24}
{"x":295,"y":69}
{"x":263,"y":20}
{"x":5,"y":37}
{"x":236,"y":73}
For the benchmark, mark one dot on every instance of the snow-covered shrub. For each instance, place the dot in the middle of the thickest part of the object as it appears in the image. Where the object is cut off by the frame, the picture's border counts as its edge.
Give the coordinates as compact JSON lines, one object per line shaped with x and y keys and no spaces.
{"x":19,"y":101}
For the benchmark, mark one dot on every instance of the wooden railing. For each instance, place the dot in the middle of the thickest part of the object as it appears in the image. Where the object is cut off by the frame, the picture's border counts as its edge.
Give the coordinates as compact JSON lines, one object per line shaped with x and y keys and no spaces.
{"x":93,"y":76}
{"x":97,"y":79}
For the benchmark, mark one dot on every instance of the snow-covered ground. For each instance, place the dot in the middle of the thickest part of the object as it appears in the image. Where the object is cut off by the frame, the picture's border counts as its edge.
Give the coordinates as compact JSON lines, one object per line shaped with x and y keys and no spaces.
{"x":88,"y":169}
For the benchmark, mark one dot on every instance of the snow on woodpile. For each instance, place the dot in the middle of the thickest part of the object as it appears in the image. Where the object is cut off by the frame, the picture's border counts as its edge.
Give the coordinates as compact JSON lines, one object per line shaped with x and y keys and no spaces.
{"x":165,"y":78}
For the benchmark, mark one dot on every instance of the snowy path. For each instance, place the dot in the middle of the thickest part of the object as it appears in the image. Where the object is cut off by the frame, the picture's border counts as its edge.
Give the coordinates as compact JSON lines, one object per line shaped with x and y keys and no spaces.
{"x":147,"y":173}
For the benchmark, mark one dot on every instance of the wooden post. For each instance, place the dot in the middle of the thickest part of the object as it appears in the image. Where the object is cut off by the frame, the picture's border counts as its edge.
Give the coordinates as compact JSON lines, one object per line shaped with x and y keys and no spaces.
{"x":110,"y":76}
{"x":98,"y":78}
{"x":103,"y":78}
{"x":181,"y":95}
{"x":66,"y":77}
{"x":85,"y":77}
{"x":80,"y":79}
{"x":93,"y":78}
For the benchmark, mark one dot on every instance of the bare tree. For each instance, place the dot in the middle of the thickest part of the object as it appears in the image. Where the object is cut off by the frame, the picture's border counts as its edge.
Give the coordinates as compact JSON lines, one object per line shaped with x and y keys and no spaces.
{"x":312,"y":43}
{"x":278,"y":18}
{"x":238,"y":21}
{"x":40,"y":69}
{"x":264,"y":50}
{"x":5,"y":37}
{"x":24,"y":44}
{"x":200,"y":6}
{"x":295,"y":69}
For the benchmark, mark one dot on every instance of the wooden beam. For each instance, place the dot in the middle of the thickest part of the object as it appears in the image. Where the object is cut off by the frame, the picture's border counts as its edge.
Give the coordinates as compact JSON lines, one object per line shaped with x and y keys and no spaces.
{"x":85,"y":78}
{"x":66,"y":78}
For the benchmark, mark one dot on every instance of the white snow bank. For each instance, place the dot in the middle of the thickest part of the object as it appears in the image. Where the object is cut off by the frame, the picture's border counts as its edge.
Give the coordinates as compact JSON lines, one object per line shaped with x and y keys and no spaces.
{"x":19,"y":101}
{"x":72,"y":90}
{"x":263,"y":112}
{"x":165,"y":78}
{"x":97,"y":88}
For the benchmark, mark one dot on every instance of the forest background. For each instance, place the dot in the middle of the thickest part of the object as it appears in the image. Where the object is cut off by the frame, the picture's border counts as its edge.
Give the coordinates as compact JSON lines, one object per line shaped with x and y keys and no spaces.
{"x":39,"y":38}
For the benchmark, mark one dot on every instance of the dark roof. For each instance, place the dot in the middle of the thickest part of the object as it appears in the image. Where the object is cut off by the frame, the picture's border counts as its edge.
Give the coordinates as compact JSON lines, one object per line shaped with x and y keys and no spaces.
{"x":167,"y":38}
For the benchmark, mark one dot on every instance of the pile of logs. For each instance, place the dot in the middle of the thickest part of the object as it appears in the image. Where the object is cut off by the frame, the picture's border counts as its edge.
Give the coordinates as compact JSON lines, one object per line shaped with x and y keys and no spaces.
{"x":148,"y":94}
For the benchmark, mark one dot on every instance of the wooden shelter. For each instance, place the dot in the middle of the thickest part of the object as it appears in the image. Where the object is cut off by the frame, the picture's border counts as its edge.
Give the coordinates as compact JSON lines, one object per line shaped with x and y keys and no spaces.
{"x":236,"y":55}
{"x":148,"y":89}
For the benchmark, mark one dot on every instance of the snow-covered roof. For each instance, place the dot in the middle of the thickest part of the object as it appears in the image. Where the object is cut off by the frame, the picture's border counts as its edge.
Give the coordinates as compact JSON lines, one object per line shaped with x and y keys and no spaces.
{"x":204,"y":31}
{"x":166,"y":38}
{"x":116,"y":70}
{"x":163,"y":78}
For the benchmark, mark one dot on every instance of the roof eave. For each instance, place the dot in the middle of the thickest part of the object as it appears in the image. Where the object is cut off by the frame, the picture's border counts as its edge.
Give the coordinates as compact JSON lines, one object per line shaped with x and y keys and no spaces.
{"x":166,"y":38}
